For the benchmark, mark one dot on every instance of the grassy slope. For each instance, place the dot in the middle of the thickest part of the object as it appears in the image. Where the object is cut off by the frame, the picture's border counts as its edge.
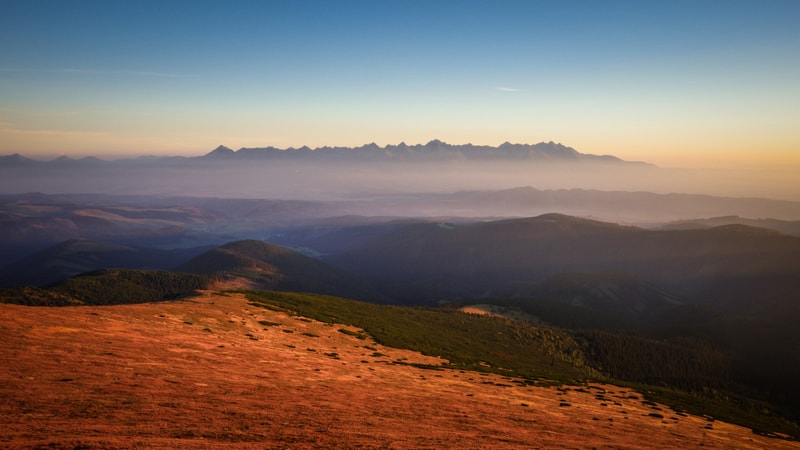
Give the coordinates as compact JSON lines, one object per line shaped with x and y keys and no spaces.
{"x":470,"y":342}
{"x":473,"y":342}
{"x":521,"y":349}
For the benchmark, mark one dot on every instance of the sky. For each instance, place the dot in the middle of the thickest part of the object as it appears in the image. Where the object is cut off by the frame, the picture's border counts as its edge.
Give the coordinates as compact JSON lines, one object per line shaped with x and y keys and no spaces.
{"x":680,"y":84}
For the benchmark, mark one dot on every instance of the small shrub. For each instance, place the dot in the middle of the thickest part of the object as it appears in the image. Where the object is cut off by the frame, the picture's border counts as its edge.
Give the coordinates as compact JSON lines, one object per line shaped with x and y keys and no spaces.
{"x":356,"y":334}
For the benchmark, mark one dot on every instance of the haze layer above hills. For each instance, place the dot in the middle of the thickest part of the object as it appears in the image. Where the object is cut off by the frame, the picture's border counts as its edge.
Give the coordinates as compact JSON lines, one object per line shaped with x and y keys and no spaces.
{"x":34,"y":222}
{"x":371,"y":170}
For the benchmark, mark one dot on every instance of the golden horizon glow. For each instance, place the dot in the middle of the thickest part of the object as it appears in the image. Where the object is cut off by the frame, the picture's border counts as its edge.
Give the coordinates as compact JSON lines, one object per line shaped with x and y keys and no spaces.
{"x":682,"y":87}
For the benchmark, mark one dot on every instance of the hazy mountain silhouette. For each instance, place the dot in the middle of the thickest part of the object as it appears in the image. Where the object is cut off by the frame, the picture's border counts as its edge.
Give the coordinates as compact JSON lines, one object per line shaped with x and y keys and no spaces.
{"x":434,"y":150}
{"x":17,"y":160}
{"x":791,"y":227}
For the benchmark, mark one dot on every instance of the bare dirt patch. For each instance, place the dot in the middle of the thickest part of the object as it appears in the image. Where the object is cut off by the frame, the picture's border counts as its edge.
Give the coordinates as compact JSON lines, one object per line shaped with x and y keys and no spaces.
{"x":215,"y":372}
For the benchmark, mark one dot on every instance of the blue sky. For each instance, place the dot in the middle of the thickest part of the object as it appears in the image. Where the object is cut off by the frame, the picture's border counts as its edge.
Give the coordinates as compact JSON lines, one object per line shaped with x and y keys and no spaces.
{"x":676,"y":83}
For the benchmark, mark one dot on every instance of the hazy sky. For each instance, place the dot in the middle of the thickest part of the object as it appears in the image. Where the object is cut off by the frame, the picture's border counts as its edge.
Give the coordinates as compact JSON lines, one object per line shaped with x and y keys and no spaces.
{"x":694,"y":83}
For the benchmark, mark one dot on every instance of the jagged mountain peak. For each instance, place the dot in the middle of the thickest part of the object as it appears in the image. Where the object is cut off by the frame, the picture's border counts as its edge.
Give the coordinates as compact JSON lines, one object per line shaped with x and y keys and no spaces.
{"x":220,"y":152}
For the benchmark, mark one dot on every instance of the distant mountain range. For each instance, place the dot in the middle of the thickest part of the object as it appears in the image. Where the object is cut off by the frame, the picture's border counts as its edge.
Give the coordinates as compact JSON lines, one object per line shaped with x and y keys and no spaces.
{"x":434,"y":150}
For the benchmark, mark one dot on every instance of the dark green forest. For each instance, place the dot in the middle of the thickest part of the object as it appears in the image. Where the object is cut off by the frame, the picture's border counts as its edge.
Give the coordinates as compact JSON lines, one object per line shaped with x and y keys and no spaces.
{"x":109,"y":287}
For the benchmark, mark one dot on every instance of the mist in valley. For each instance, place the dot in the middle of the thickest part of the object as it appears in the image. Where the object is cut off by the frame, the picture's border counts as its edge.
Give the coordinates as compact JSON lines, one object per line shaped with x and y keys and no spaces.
{"x":415,"y":188}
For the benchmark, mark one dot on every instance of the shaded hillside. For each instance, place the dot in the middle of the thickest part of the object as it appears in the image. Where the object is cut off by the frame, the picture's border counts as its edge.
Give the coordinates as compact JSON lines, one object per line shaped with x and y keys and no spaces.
{"x":604,"y":300}
{"x":475,"y":258}
{"x":724,"y":266}
{"x":275,"y":267}
{"x":617,"y":293}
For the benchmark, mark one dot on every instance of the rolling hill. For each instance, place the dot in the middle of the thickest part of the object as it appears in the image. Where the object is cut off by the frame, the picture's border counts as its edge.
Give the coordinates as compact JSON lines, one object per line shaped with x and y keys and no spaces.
{"x":270,"y":266}
{"x":790,"y":227}
{"x":721,"y":266}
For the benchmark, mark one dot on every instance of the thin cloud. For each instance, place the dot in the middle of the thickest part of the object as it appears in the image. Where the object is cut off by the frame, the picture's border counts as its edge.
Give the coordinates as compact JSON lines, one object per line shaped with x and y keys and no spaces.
{"x":507,"y":89}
